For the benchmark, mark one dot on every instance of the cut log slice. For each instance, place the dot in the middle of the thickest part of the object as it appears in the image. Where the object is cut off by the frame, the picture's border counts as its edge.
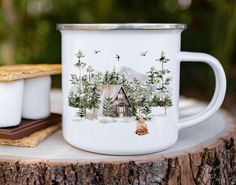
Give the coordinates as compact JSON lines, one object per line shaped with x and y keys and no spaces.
{"x":204,"y":154}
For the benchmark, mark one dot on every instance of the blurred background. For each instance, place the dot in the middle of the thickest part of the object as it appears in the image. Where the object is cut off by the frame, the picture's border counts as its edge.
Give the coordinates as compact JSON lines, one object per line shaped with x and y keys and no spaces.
{"x":28,"y":33}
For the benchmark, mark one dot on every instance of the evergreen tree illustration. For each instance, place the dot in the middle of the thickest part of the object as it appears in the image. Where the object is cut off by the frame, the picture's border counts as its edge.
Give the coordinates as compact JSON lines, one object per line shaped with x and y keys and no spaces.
{"x":74,"y":100}
{"x":83,"y":96}
{"x":91,"y":94}
{"x":77,"y":99}
{"x":144,"y":103}
{"x":81,"y":112}
{"x":95,"y":98}
{"x":152,"y":80}
{"x":79,"y":64}
{"x":113,"y":77}
{"x":132,"y":94}
{"x":117,"y":78}
{"x":155,"y":101}
{"x":88,"y":86}
{"x":123,"y":80}
{"x":88,"y":95}
{"x":163,"y":97}
{"x":139,"y":100}
{"x":152,"y":77}
{"x":108,"y":109}
{"x":106,"y":78}
{"x":167,"y":102}
{"x":74,"y":79}
{"x":98,"y":78}
{"x":146,"y":110}
{"x":131,"y":90}
{"x":90,"y":71}
{"x":126,"y":85}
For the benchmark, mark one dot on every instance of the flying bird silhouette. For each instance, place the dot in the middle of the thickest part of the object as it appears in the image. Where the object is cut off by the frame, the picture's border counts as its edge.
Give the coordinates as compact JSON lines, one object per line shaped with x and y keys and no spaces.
{"x":160,"y":59}
{"x":117,"y":57}
{"x":143,"y":53}
{"x":96,"y":52}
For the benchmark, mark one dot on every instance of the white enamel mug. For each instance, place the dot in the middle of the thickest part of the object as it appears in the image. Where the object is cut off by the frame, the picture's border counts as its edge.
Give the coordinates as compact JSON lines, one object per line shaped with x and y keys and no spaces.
{"x":121,"y":86}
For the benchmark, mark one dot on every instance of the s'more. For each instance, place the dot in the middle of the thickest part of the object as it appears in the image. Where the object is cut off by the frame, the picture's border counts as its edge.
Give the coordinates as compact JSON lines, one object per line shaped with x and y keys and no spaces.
{"x":25,"y":117}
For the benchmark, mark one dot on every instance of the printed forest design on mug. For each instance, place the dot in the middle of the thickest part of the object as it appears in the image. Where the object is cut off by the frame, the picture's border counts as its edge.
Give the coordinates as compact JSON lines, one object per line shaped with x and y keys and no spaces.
{"x":114,"y":95}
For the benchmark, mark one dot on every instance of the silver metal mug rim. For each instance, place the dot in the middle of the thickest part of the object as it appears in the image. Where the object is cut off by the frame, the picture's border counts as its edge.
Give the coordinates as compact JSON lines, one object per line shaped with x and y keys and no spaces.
{"x":122,"y":26}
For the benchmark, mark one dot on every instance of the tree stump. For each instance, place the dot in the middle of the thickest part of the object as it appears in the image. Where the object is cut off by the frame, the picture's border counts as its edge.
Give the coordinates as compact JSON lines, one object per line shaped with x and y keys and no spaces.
{"x":204,"y":154}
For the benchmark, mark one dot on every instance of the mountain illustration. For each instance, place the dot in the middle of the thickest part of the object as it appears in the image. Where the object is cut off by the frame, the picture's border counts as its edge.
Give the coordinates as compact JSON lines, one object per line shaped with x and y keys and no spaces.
{"x":131,"y":74}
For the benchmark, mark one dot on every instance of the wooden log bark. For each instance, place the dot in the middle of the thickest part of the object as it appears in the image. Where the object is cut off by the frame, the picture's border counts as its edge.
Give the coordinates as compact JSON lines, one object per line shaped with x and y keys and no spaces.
{"x":210,"y":162}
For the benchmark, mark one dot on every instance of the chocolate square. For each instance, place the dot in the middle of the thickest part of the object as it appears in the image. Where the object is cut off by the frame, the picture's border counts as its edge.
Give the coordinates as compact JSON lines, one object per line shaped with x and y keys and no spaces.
{"x":28,"y":127}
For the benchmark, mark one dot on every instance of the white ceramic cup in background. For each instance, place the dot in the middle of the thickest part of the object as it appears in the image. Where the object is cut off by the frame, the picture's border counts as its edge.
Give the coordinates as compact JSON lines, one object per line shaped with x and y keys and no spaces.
{"x":121,"y":86}
{"x":11,"y":97}
{"x":36,"y":101}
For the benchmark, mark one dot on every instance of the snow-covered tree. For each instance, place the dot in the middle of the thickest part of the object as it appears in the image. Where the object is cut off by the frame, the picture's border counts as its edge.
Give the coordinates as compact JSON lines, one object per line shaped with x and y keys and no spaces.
{"x":111,"y":78}
{"x":123,"y":80}
{"x":152,"y":81}
{"x":73,"y":100}
{"x":88,"y":96}
{"x":81,"y":112}
{"x":98,"y":80}
{"x":79,"y":64}
{"x":108,"y":109}
{"x":152,"y":76}
{"x":146,"y":110}
{"x":159,"y":80}
{"x":163,"y":95}
{"x":95,"y":98}
{"x":74,"y":80}
{"x":90,"y":71}
{"x":139,"y":98}
{"x":165,"y":102}
{"x":106,"y":78}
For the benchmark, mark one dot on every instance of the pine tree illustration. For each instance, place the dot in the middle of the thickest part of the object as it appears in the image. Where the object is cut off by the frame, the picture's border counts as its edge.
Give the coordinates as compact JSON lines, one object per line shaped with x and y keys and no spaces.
{"x":152,"y":77}
{"x":152,"y":80}
{"x":108,"y":109}
{"x":81,"y":112}
{"x":74,"y":100}
{"x":113,"y":77}
{"x":163,"y":95}
{"x":140,"y":105}
{"x":167,"y":103}
{"x":123,"y":80}
{"x":79,"y":64}
{"x":95,"y":98}
{"x":74,"y":79}
{"x":98,"y":78}
{"x":145,"y":109}
{"x":106,"y":78}
{"x":90,"y":71}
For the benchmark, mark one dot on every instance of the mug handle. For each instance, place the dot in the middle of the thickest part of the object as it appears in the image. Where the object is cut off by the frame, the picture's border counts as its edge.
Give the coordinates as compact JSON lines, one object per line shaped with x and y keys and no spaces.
{"x":220,"y":87}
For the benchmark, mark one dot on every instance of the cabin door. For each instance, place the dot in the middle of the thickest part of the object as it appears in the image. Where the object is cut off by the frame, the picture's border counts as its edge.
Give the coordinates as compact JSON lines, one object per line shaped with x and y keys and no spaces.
{"x":121,"y":111}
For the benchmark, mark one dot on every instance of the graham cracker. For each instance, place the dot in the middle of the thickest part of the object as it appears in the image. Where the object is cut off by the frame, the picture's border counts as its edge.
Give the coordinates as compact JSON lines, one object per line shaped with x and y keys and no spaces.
{"x":32,"y":140}
{"x":23,"y":71}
